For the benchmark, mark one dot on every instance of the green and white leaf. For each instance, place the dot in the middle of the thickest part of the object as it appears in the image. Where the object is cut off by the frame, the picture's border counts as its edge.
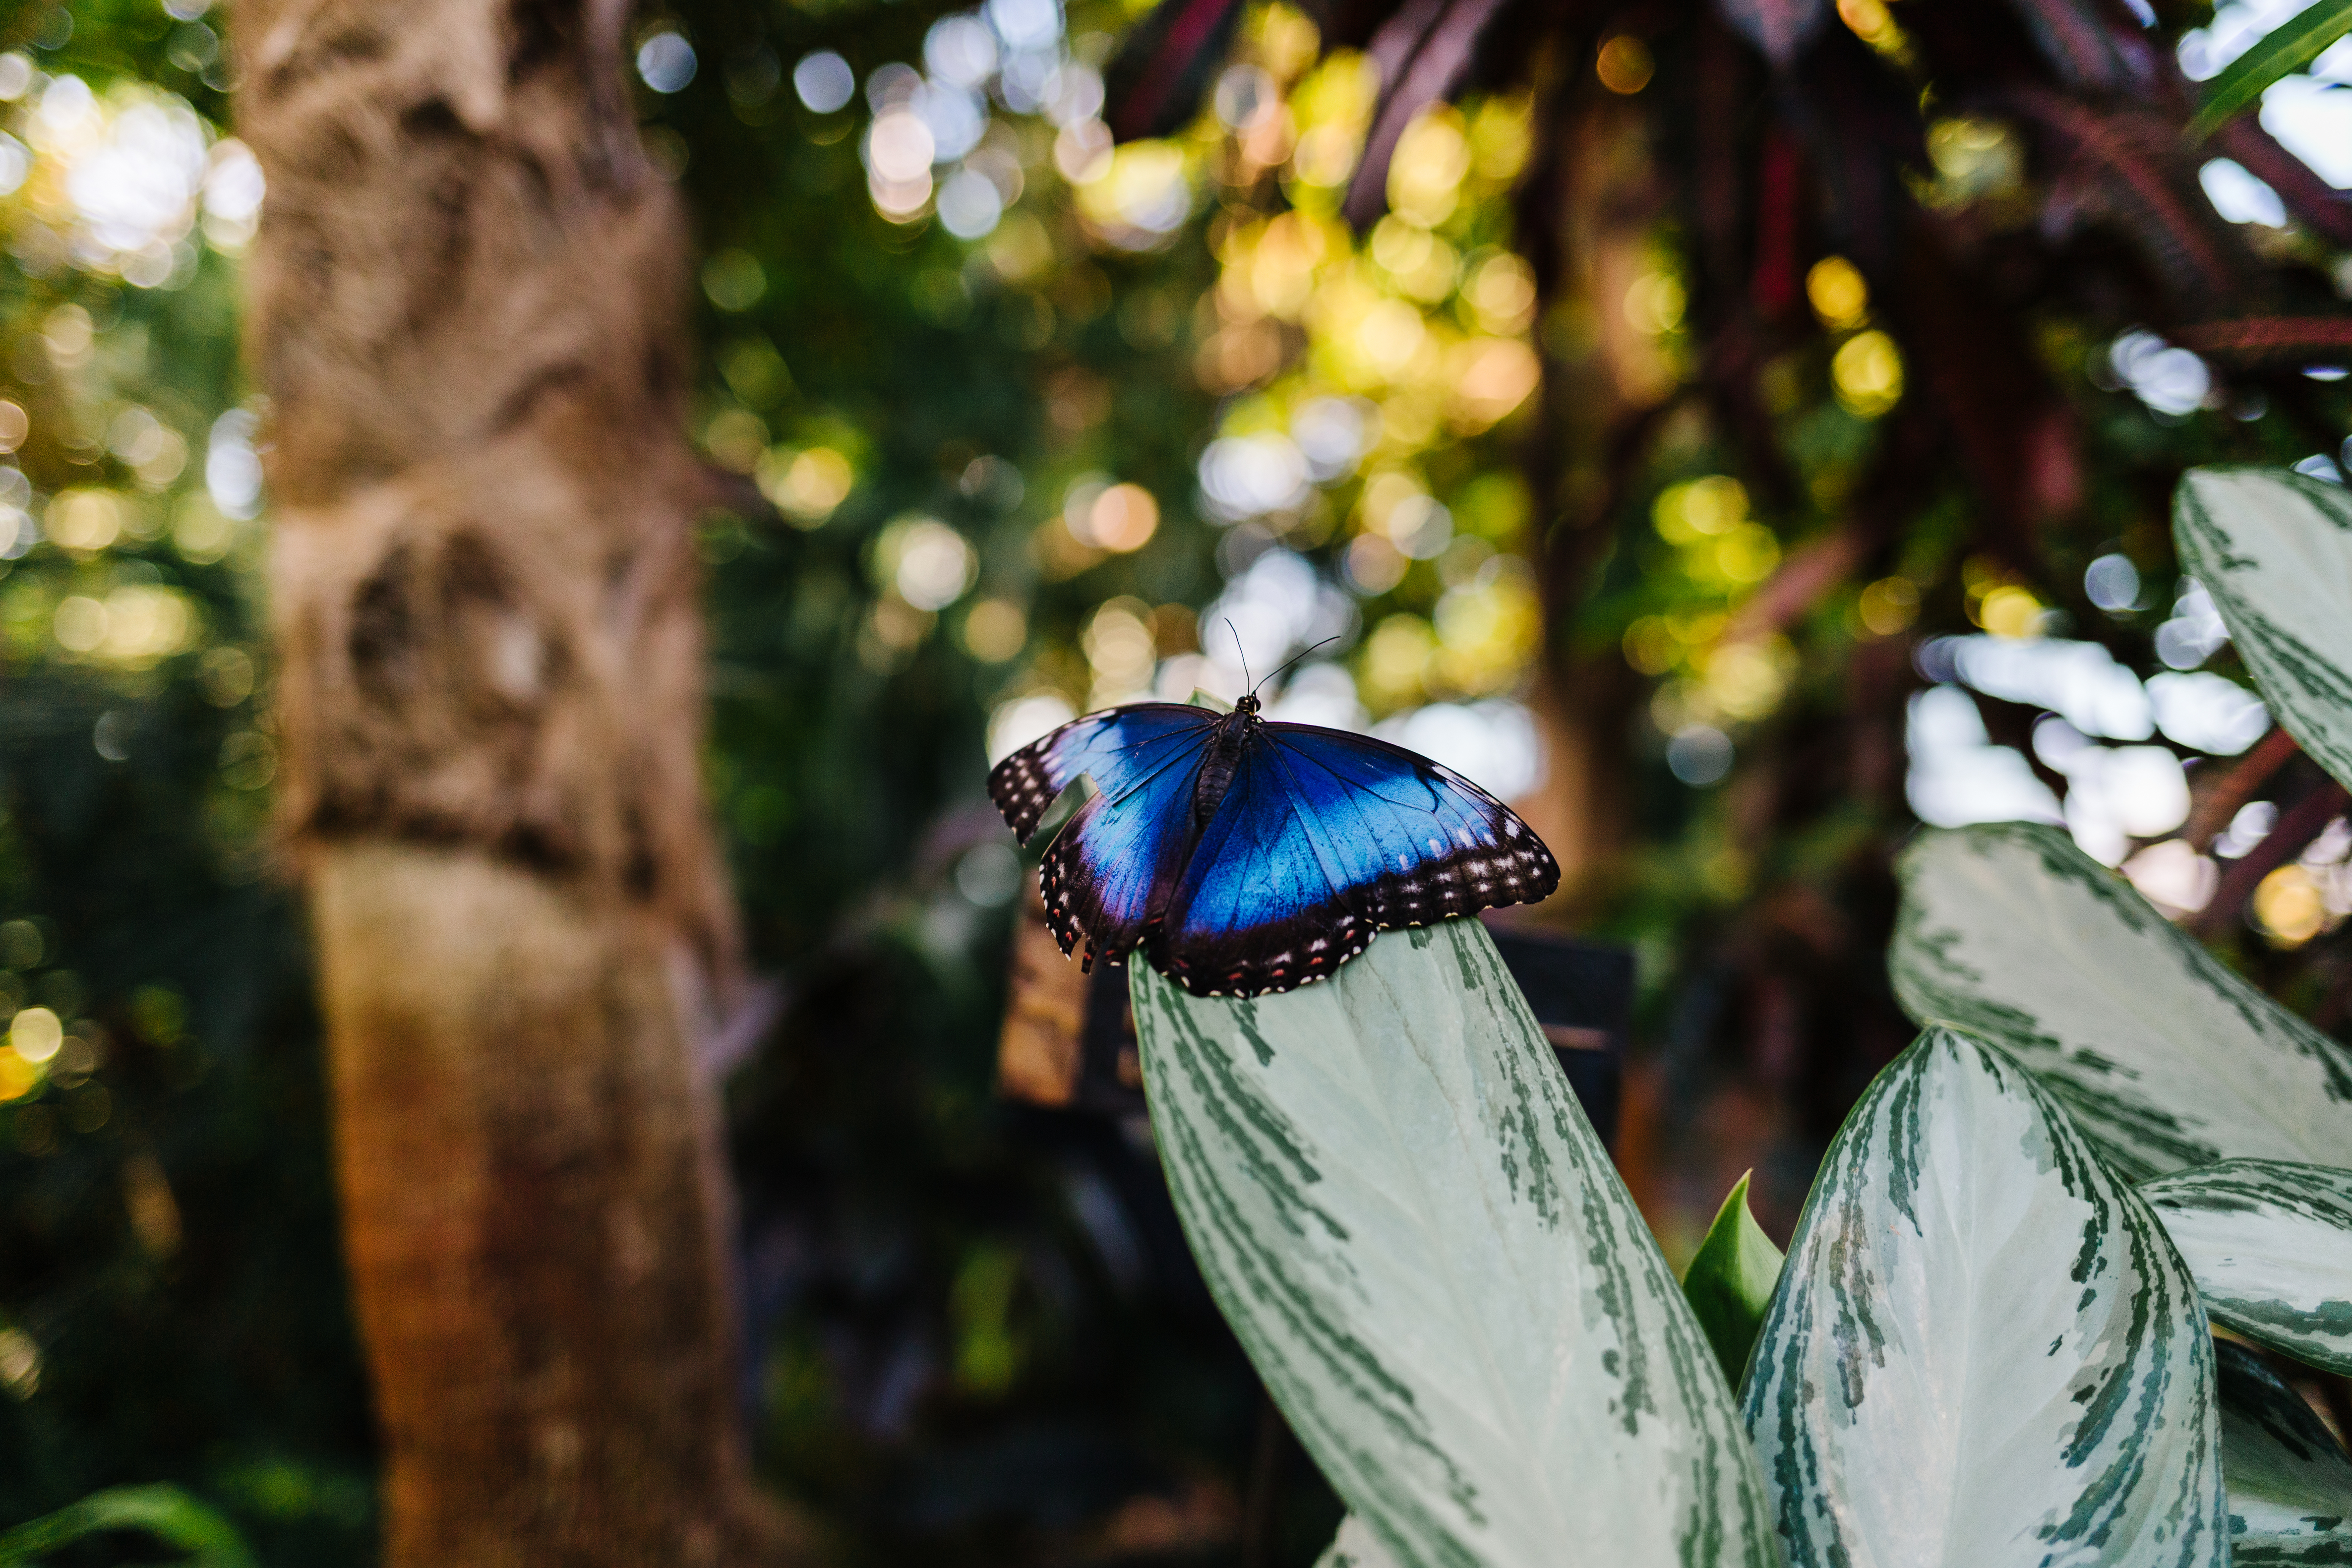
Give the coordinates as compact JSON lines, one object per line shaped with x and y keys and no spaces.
{"x":2274,"y":549}
{"x":1355,"y":1547}
{"x":2290,"y":1485}
{"x":2270,"y":1244}
{"x":1426,"y":1251}
{"x":1983,"y":1350}
{"x":2165,"y":1058}
{"x":1730,"y":1282}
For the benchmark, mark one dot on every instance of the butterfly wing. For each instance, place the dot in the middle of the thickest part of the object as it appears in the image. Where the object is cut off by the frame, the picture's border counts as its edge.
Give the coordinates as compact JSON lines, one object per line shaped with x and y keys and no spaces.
{"x":1115,"y":863}
{"x":1113,"y":868}
{"x":1117,"y":749}
{"x":1324,"y":839}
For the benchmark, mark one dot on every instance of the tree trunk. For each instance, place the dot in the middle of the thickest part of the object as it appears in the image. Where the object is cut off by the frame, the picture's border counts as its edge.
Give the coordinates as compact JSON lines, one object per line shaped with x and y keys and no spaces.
{"x":468,"y":311}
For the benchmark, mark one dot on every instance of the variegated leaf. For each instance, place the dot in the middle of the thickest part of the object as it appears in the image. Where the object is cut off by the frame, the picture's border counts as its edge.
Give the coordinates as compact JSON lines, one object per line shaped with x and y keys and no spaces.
{"x":1983,"y":1352}
{"x":1423,"y":1247}
{"x":2271,"y":1245}
{"x":2164,"y":1056}
{"x":1354,"y":1547}
{"x":2290,"y":1485}
{"x":2274,"y":549}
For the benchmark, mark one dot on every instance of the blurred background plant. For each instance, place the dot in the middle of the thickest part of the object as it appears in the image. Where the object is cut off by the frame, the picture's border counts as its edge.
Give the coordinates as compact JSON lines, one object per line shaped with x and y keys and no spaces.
{"x":1870,"y":343}
{"x":1733,"y":432}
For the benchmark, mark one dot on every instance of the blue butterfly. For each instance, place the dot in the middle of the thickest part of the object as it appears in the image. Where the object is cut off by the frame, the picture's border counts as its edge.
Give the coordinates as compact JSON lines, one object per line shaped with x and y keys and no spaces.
{"x":1245,"y":856}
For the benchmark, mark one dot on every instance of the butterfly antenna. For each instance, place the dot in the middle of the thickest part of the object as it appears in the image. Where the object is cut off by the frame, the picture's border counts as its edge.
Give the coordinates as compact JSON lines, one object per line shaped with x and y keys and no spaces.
{"x":1239,"y":650}
{"x":1287,"y":663}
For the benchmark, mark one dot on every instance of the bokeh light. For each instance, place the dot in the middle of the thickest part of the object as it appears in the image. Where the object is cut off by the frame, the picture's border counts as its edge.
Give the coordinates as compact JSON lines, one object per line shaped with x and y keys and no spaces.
{"x":927,"y":563}
{"x":35,"y":1034}
{"x":824,"y":81}
{"x":665,"y":61}
{"x":1625,"y":65}
{"x":1840,"y":298}
{"x":1867,"y":372}
{"x":806,"y":486}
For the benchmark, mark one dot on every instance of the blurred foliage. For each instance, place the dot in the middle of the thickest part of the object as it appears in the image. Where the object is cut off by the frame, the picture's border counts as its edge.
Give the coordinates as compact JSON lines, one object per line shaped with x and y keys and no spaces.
{"x":195,"y":1533}
{"x":169,"y":1302}
{"x":1040,"y":419}
{"x":1865,"y":330}
{"x":977,"y":1334}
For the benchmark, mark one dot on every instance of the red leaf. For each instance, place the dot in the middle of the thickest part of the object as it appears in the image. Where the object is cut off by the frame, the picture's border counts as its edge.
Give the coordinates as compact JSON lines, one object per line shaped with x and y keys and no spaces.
{"x":1165,"y":65}
{"x":1859,"y":124}
{"x":1779,"y":214}
{"x":2018,"y":438}
{"x":2131,"y":166}
{"x":1812,"y":571}
{"x":2284,"y":342}
{"x":2315,"y":204}
{"x":2297,"y":825}
{"x":1781,"y":28}
{"x":2235,"y":787}
{"x":2090,"y":47}
{"x":1401,"y":37}
{"x":1423,"y":52}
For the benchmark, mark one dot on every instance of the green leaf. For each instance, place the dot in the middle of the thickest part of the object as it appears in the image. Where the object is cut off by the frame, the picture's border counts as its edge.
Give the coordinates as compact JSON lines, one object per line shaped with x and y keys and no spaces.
{"x":2165,"y":1058}
{"x":1355,"y":1547}
{"x":199,"y":1537}
{"x":2274,"y":549}
{"x":1426,"y":1251}
{"x":1730,"y":1282}
{"x":2271,"y":1246}
{"x":1983,"y":1350}
{"x":2283,"y":50}
{"x":2290,"y":1484}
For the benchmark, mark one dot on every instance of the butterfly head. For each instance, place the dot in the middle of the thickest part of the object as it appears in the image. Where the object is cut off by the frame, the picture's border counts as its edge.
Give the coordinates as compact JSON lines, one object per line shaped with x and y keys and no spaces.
{"x":1248,"y":705}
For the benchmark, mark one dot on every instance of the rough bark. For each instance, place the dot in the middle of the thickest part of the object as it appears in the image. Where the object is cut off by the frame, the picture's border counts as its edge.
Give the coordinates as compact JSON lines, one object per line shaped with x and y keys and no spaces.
{"x":468,"y":311}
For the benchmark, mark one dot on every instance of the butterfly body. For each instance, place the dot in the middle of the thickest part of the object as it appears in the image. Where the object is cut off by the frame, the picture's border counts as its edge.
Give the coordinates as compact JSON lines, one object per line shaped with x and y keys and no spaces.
{"x":1244,"y":856}
{"x":1221,"y":759}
